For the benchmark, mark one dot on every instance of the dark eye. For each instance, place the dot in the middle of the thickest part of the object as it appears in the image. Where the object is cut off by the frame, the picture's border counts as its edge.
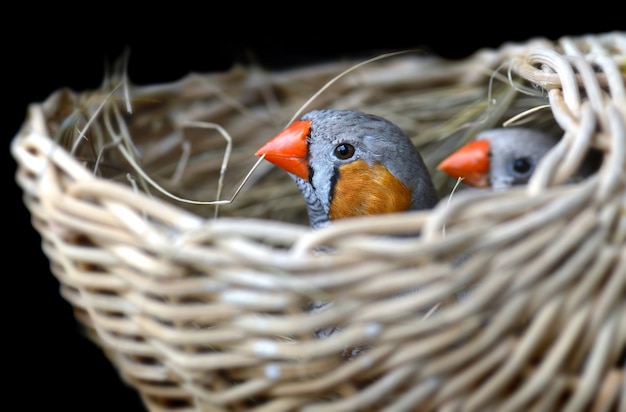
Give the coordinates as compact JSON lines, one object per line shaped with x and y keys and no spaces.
{"x":344,"y":151}
{"x":522,"y":165}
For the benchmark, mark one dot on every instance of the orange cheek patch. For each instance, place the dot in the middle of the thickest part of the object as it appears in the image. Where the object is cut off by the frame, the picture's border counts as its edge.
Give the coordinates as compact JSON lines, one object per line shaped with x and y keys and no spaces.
{"x":365,"y":190}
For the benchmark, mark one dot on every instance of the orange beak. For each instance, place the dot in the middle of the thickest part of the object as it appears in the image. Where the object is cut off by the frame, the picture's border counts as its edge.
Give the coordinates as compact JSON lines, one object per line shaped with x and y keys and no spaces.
{"x":288,"y":149}
{"x":470,"y":162}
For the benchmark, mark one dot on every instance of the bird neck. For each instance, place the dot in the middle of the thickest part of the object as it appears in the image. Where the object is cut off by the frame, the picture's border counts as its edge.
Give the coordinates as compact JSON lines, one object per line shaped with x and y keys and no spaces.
{"x":318,"y":215}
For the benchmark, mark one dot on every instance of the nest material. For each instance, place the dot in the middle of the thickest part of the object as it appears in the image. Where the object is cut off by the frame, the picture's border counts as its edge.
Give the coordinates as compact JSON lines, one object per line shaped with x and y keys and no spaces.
{"x":203,"y":307}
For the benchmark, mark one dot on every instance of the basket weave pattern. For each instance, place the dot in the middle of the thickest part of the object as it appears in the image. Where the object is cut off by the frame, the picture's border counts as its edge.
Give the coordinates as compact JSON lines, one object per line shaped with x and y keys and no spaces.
{"x":203,"y":307}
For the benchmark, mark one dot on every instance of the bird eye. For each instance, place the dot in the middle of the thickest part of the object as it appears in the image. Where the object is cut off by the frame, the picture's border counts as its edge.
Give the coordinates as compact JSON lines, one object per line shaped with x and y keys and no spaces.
{"x":522,"y":165}
{"x":344,"y":151}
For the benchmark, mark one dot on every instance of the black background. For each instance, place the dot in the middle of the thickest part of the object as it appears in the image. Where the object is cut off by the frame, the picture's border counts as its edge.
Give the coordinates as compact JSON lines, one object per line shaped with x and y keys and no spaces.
{"x":49,"y":363}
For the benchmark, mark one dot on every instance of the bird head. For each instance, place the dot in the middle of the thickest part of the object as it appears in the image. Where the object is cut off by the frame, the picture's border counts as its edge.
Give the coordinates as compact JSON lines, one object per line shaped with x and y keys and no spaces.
{"x":348,"y":163}
{"x":499,"y":158}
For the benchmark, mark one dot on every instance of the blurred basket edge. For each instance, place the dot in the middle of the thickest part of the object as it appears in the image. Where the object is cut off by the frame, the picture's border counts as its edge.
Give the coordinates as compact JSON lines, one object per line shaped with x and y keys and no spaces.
{"x":209,"y":314}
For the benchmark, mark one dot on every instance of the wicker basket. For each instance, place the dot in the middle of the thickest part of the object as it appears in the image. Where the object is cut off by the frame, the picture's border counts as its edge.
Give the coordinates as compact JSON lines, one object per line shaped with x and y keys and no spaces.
{"x":202,"y":306}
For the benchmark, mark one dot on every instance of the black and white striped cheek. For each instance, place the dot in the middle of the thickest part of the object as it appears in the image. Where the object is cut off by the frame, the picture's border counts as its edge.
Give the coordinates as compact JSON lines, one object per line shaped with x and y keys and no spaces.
{"x":333,"y":184}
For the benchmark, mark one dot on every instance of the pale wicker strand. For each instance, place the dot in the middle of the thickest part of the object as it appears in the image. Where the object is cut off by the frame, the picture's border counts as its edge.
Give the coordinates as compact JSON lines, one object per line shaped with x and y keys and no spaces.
{"x":536,"y":383}
{"x":592,"y":377}
{"x":615,"y":170}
